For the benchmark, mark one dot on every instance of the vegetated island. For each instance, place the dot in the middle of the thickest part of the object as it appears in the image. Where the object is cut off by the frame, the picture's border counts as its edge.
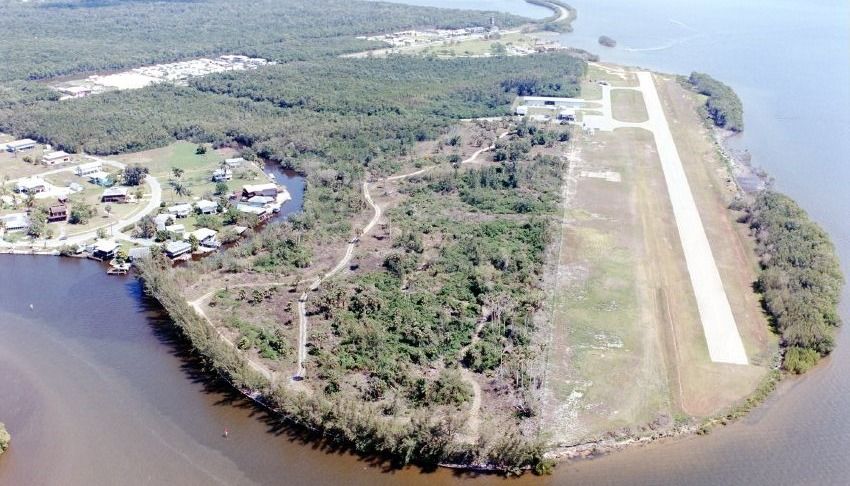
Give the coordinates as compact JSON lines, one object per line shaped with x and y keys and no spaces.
{"x":5,"y":438}
{"x":606,"y":41}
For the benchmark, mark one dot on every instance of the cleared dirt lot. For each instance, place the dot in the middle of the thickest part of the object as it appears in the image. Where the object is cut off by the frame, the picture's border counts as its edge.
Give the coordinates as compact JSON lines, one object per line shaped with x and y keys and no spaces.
{"x":628,"y":347}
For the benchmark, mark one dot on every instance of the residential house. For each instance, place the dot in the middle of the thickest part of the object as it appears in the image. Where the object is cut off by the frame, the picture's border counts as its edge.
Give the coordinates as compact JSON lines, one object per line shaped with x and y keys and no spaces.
{"x":262,"y":214}
{"x":205,"y":236}
{"x":174,"y":249}
{"x":180,"y":210}
{"x":250,"y":191}
{"x":162,"y":221}
{"x":21,"y":145}
{"x":114,"y":195}
{"x":260,"y":201}
{"x":176,"y":229}
{"x":57,"y":213}
{"x":54,"y":158}
{"x":206,"y":207}
{"x":223,"y":174}
{"x":83,"y":170}
{"x":138,"y":253}
{"x":100,"y":178}
{"x":105,"y":250}
{"x":30,"y":185}
{"x":15,"y":222}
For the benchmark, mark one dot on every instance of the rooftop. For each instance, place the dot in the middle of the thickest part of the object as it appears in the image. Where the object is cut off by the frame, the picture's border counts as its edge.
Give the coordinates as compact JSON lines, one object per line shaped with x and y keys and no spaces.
{"x":115,"y":191}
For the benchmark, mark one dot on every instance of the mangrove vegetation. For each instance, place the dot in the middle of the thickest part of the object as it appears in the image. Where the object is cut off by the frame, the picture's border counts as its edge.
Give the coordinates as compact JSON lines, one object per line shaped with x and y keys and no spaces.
{"x":722,"y":107}
{"x":800,"y":280}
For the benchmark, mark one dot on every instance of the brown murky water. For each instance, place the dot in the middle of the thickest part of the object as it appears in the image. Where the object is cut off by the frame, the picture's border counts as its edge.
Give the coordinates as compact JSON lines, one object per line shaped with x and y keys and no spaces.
{"x":97,"y":390}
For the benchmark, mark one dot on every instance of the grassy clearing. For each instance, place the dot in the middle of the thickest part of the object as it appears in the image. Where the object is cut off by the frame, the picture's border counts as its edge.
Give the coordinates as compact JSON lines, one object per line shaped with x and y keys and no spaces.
{"x":606,"y":372}
{"x":197,"y":169}
{"x":628,"y":106}
{"x":629,"y":348}
{"x":476,"y":47}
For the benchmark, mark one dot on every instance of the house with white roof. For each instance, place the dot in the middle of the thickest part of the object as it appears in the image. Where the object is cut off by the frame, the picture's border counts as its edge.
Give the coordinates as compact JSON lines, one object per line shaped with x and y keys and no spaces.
{"x":30,"y":185}
{"x":161,"y":221}
{"x":180,"y":210}
{"x":83,"y":170}
{"x":205,"y":236}
{"x":21,"y":145}
{"x":222,"y":174}
{"x":105,"y":249}
{"x":15,"y":222}
{"x":174,"y":249}
{"x":206,"y":206}
{"x":58,"y":157}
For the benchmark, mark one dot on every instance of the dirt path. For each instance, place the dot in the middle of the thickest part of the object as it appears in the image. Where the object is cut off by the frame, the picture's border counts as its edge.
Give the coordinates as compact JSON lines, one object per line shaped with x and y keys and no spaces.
{"x":303,"y":322}
{"x":474,"y":422}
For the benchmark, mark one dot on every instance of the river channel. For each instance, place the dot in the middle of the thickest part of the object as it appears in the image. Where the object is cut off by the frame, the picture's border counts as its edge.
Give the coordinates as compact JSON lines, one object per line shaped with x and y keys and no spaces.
{"x":97,"y":390}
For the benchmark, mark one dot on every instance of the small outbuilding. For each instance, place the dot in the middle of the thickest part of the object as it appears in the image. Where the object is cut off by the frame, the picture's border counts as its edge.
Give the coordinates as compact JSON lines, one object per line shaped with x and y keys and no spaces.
{"x":234,"y":162}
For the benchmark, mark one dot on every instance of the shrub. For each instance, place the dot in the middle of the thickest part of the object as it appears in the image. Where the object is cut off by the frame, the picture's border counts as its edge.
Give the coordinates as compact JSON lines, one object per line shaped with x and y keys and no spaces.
{"x":800,"y":360}
{"x":5,"y":438}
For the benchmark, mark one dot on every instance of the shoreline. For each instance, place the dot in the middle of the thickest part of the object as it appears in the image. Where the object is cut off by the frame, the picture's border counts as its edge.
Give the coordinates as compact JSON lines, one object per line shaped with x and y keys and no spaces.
{"x":265,"y":393}
{"x":563,"y":14}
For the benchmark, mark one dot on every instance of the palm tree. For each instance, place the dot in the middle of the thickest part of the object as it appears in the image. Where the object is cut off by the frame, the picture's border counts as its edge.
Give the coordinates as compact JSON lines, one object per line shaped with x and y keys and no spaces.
{"x":177,"y":172}
{"x":180,"y":189}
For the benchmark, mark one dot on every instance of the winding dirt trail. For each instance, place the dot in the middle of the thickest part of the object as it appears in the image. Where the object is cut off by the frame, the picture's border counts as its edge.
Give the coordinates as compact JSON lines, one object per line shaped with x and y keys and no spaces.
{"x":303,"y":322}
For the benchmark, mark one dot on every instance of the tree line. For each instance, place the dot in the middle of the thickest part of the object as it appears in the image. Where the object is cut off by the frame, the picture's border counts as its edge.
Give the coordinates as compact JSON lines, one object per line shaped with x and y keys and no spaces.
{"x":723,"y":106}
{"x":78,"y":36}
{"x":800,"y":280}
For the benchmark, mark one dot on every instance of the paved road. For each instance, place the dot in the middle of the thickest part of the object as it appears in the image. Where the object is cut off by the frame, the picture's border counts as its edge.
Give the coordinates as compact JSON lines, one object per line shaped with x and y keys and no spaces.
{"x":152,"y":205}
{"x":721,"y":332}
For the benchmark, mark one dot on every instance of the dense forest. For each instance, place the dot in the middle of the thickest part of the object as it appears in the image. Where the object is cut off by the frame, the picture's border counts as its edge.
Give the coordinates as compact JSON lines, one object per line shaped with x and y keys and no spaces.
{"x":341,"y":121}
{"x":76,"y":36}
{"x":801,"y":278}
{"x":723,"y":106}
